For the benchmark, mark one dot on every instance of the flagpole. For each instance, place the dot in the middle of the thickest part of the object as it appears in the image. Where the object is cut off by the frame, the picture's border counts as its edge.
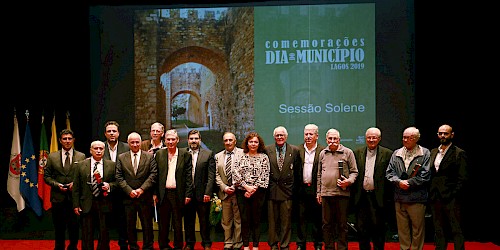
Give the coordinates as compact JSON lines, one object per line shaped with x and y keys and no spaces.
{"x":13,"y":179}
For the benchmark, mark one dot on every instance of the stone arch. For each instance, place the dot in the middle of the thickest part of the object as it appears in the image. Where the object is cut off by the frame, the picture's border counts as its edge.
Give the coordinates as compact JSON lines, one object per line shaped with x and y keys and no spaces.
{"x":192,"y":93}
{"x":213,"y":60}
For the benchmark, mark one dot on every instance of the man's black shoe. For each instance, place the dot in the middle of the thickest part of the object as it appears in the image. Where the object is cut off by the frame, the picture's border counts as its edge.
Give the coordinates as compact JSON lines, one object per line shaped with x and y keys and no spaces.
{"x":187,"y":248}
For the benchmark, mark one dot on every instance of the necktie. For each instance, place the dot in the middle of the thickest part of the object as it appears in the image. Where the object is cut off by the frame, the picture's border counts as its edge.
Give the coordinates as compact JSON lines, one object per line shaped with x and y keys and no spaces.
{"x":280,"y":158}
{"x":135,"y":163}
{"x":67,"y":161}
{"x":95,"y":188}
{"x":228,"y":168}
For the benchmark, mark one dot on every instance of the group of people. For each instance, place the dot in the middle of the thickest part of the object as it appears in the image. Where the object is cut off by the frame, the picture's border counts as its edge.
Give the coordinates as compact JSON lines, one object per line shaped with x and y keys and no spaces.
{"x":320,"y":185}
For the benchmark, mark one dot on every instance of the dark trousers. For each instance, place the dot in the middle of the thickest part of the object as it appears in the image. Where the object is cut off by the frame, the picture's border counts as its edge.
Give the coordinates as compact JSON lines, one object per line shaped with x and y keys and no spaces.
{"x":280,"y":223}
{"x":96,"y":218}
{"x":119,"y":219}
{"x":370,"y":222}
{"x":447,"y":214}
{"x":64,"y":219}
{"x":170,"y":208}
{"x":203,"y":210}
{"x":134,"y":207}
{"x":335,"y":221}
{"x":250,"y":211}
{"x":309,"y":211}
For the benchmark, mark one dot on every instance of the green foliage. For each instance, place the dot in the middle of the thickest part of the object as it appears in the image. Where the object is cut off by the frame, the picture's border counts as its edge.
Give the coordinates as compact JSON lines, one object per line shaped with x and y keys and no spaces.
{"x":215,"y":211}
{"x":176,"y":111}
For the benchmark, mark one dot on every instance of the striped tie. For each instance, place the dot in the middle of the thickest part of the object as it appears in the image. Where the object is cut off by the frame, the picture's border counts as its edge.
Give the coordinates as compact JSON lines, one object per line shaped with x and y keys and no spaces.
{"x":228,"y":168}
{"x":95,"y":188}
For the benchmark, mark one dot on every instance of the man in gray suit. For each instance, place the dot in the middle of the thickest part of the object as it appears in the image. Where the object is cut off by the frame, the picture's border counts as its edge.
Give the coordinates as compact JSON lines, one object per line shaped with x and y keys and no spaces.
{"x":113,"y":148}
{"x":59,"y":177}
{"x":175,"y":187}
{"x":136,"y":173}
{"x":231,"y":219}
{"x":371,"y":194}
{"x":203,"y":177}
{"x":92,"y":206}
{"x":283,"y":159}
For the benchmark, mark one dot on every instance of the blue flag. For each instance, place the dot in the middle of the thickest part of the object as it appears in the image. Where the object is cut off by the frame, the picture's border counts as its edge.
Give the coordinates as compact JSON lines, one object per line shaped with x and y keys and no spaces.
{"x":29,"y":174}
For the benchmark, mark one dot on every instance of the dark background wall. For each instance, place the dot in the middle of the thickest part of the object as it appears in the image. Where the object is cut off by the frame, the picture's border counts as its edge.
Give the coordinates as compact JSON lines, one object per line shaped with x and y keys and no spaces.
{"x":46,"y":69}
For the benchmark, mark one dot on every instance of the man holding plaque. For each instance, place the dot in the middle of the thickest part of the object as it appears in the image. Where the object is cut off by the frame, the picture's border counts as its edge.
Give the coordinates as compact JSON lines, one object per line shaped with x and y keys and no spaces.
{"x":408,"y":170}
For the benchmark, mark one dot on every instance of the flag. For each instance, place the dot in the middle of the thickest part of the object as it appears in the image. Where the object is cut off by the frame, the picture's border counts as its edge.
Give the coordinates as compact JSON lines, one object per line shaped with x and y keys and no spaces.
{"x":29,"y":175}
{"x":15,"y":165}
{"x":43,"y":188}
{"x":68,"y":126}
{"x":53,"y":138}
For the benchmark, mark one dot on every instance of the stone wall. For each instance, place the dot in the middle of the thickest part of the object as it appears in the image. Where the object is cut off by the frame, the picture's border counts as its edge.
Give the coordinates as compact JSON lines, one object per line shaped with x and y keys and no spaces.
{"x":222,"y":100}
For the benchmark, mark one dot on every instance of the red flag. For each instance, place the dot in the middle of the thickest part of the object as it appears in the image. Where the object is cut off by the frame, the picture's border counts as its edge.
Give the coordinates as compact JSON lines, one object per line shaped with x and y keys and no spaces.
{"x":43,"y":188}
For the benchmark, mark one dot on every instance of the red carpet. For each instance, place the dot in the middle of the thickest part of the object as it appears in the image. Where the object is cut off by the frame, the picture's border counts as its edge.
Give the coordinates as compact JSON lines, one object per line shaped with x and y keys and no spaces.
{"x":49,"y":245}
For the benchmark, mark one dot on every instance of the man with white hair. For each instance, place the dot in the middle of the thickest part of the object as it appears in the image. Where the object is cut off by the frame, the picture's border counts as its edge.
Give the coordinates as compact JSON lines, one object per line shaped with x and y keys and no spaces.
{"x":409,"y":171}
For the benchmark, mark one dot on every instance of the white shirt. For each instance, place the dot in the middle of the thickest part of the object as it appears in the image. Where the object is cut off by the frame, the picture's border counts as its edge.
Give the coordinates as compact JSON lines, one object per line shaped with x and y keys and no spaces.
{"x":172,"y":165}
{"x":308,"y":163}
{"x":440,"y":155}
{"x":99,"y":167}
{"x":112,"y":152}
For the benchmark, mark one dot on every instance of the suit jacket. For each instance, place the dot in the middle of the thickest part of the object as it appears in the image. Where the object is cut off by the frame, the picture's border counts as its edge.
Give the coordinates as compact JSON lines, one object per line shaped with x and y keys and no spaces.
{"x":383,"y":188}
{"x":204,"y":174}
{"x":220,"y":173}
{"x":299,"y":177}
{"x":55,"y":174}
{"x":448,"y":182}
{"x":183,"y":174}
{"x":122,"y":147}
{"x":281,"y":183}
{"x":82,"y":189}
{"x":146,"y":177}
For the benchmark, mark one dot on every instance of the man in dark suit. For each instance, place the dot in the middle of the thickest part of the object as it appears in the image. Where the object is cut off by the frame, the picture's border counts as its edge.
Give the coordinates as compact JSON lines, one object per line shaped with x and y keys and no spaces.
{"x":136,"y":173}
{"x":448,"y":176}
{"x":203,"y":175}
{"x":225,"y":161}
{"x":306,"y":180}
{"x":58,"y":174}
{"x":372,"y":193}
{"x":283,"y":159}
{"x":93,"y":206}
{"x":113,"y":148}
{"x":175,"y":184}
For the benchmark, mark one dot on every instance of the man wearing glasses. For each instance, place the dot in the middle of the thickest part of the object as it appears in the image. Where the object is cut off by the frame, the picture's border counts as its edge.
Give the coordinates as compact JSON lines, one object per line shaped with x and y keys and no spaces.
{"x":409,"y":171}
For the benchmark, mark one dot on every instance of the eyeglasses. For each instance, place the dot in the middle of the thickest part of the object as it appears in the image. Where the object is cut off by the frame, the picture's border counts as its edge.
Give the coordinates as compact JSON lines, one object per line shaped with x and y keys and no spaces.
{"x":443,"y":133}
{"x":408,"y":137}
